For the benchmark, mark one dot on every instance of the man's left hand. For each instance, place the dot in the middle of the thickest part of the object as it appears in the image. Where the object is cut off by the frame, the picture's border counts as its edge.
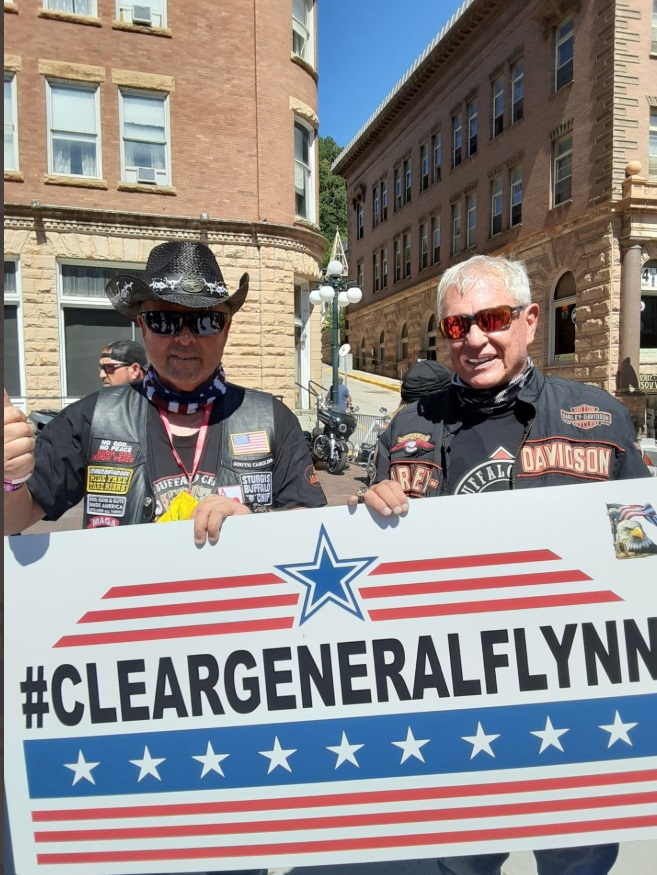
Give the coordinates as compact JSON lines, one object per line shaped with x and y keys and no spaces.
{"x":209,"y":514}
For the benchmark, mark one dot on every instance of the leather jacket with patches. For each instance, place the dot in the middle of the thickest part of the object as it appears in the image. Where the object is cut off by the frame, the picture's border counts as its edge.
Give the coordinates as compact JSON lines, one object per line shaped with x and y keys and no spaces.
{"x":119,"y":426}
{"x":573,"y":433}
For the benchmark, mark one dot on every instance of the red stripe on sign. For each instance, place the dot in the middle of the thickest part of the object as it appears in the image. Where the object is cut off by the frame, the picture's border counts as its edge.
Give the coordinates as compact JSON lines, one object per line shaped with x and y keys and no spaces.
{"x":520,"y":604}
{"x":240,"y":604}
{"x":176,"y":632}
{"x":358,"y":843}
{"x":373,"y":797}
{"x":470,"y":583}
{"x":121,"y":592}
{"x":465,"y":561}
{"x":350,"y":821}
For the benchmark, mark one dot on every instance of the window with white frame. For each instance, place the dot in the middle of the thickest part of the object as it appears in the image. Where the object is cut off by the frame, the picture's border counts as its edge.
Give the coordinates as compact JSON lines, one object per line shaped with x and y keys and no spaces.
{"x":151,"y":13}
{"x":88,"y":323}
{"x":648,"y":323}
{"x":424,"y":245}
{"x":653,"y":42}
{"x":398,"y":260}
{"x":424,"y":166}
{"x":496,"y":205}
{"x":562,"y":169}
{"x":515,"y":195}
{"x":564,"y":53}
{"x":145,"y":138}
{"x":74,"y":7}
{"x":360,"y":274}
{"x":457,"y":139}
{"x":432,"y":338}
{"x":384,"y":267}
{"x":384,"y":201}
{"x":437,"y":153}
{"x":74,"y":125}
{"x":304,"y":186}
{"x":472,"y":128}
{"x":407,"y":181}
{"x":13,"y":375}
{"x":302,"y":30}
{"x":471,"y":216}
{"x":652,"y":147}
{"x":407,"y":255}
{"x":376,"y":284}
{"x":376,"y":214}
{"x":517,"y":91}
{"x":403,"y":342}
{"x":398,"y":189}
{"x":360,"y":220}
{"x":456,"y":228}
{"x":435,"y":239}
{"x":361,"y":355}
{"x":563,"y":318}
{"x":11,"y":125}
{"x":498,"y":106}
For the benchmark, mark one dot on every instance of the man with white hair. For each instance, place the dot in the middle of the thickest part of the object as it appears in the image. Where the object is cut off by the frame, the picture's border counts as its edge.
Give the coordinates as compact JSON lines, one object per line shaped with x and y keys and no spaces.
{"x":500,"y":425}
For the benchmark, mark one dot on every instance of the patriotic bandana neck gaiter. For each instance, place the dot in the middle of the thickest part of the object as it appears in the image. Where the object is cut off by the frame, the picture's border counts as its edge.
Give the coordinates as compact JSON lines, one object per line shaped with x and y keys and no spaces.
{"x":184,"y":402}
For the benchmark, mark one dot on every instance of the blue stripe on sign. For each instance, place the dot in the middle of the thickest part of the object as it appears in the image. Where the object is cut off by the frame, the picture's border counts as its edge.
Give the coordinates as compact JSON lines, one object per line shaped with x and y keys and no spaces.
{"x":446,"y":751}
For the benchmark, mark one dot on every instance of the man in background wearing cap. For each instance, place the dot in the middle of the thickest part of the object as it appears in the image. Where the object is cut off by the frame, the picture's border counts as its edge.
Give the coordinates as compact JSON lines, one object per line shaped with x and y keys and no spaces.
{"x":122,"y":361}
{"x":183,"y":434}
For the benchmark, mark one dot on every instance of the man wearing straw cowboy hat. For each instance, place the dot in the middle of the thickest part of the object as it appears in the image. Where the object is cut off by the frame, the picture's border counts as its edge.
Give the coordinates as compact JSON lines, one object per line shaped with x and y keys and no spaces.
{"x":181,"y":442}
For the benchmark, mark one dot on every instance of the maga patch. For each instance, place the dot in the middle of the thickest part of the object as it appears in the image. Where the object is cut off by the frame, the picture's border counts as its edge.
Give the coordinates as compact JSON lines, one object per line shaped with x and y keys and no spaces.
{"x":585,"y":416}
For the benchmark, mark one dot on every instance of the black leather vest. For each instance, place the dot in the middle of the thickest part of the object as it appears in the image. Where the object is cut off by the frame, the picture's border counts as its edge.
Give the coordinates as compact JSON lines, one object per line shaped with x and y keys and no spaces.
{"x":118,"y":487}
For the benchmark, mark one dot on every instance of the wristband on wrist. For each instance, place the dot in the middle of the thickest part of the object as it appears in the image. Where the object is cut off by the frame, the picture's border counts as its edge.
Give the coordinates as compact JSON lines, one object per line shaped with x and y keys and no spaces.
{"x":10,"y":486}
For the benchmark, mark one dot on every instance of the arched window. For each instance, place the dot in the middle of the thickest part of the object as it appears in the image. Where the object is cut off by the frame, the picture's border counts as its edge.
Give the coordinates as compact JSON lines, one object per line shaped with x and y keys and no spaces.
{"x":432,"y":335}
{"x":649,"y":306}
{"x":361,"y":355}
{"x":563,"y":319}
{"x":403,"y":343}
{"x":382,"y":348}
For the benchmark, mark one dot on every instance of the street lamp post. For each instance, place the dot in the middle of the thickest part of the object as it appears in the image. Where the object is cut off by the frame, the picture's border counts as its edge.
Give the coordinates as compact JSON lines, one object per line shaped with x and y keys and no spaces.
{"x":338,"y":292}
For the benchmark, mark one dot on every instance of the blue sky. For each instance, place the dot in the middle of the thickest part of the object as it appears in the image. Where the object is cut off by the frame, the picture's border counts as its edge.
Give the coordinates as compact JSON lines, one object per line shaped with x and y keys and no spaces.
{"x":364,"y":48}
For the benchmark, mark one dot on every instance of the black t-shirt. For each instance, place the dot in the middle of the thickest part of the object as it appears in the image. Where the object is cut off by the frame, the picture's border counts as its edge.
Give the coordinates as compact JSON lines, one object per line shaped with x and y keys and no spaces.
{"x":58,"y":482}
{"x":482,"y":453}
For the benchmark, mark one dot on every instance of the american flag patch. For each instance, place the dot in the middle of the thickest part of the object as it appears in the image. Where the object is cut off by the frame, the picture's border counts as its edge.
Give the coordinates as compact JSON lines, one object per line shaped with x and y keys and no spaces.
{"x":251,"y":442}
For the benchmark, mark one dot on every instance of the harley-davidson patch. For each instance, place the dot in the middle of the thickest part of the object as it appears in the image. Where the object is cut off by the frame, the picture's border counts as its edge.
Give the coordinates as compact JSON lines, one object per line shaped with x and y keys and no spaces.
{"x":411,"y":443}
{"x":585,"y":416}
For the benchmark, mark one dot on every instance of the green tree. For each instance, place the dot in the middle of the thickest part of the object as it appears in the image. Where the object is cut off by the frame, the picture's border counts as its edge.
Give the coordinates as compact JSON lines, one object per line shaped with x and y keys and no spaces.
{"x":332,"y":194}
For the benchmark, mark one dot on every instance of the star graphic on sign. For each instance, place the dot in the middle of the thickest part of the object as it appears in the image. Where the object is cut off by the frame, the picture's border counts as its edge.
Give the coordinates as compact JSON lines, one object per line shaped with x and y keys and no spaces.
{"x":148,"y":765}
{"x":618,"y":731}
{"x":549,"y":736}
{"x":480,"y":742}
{"x":346,"y":752}
{"x":211,"y":761}
{"x":277,"y":756}
{"x":327,"y":578}
{"x":82,"y":769}
{"x":411,"y":746}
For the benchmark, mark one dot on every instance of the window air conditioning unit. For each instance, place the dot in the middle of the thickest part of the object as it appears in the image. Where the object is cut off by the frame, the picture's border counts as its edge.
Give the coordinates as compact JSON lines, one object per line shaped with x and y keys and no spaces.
{"x":146,"y":174}
{"x":142,"y":15}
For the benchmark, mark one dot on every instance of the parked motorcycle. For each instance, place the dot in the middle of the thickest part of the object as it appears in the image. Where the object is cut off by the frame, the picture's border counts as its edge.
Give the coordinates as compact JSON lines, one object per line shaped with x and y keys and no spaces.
{"x":329,"y":440}
{"x":367,"y":447}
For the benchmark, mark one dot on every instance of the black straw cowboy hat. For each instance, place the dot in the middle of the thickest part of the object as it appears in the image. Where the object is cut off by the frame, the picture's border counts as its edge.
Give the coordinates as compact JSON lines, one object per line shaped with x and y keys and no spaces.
{"x":180,"y":272}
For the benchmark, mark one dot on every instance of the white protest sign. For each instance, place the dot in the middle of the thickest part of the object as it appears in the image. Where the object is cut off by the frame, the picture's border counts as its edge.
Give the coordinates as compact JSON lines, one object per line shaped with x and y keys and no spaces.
{"x":325,"y":686}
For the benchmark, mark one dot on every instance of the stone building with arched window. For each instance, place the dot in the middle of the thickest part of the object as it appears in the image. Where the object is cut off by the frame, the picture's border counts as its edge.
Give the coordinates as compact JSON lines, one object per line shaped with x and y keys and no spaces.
{"x":527,"y":128}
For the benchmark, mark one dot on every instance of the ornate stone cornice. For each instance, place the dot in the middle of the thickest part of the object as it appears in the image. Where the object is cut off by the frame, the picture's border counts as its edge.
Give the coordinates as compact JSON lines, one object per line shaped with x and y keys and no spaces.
{"x":110,"y":223}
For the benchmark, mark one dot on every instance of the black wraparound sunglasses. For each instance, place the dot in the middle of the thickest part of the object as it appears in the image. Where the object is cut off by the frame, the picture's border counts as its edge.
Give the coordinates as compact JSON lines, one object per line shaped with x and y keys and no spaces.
{"x":170,"y":323}
{"x":110,"y":367}
{"x":488,"y":320}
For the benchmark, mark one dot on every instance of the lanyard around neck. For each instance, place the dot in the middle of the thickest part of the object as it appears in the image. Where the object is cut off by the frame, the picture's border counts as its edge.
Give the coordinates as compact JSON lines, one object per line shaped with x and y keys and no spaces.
{"x":200,"y":442}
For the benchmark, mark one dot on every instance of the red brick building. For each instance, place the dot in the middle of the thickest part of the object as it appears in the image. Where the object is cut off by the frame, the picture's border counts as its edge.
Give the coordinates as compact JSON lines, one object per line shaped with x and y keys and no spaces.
{"x":527,"y":128}
{"x":127,"y":125}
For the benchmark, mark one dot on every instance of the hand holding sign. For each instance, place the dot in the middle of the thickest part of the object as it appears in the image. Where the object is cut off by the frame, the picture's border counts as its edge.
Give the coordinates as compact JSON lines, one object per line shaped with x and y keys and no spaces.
{"x":19,"y":444}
